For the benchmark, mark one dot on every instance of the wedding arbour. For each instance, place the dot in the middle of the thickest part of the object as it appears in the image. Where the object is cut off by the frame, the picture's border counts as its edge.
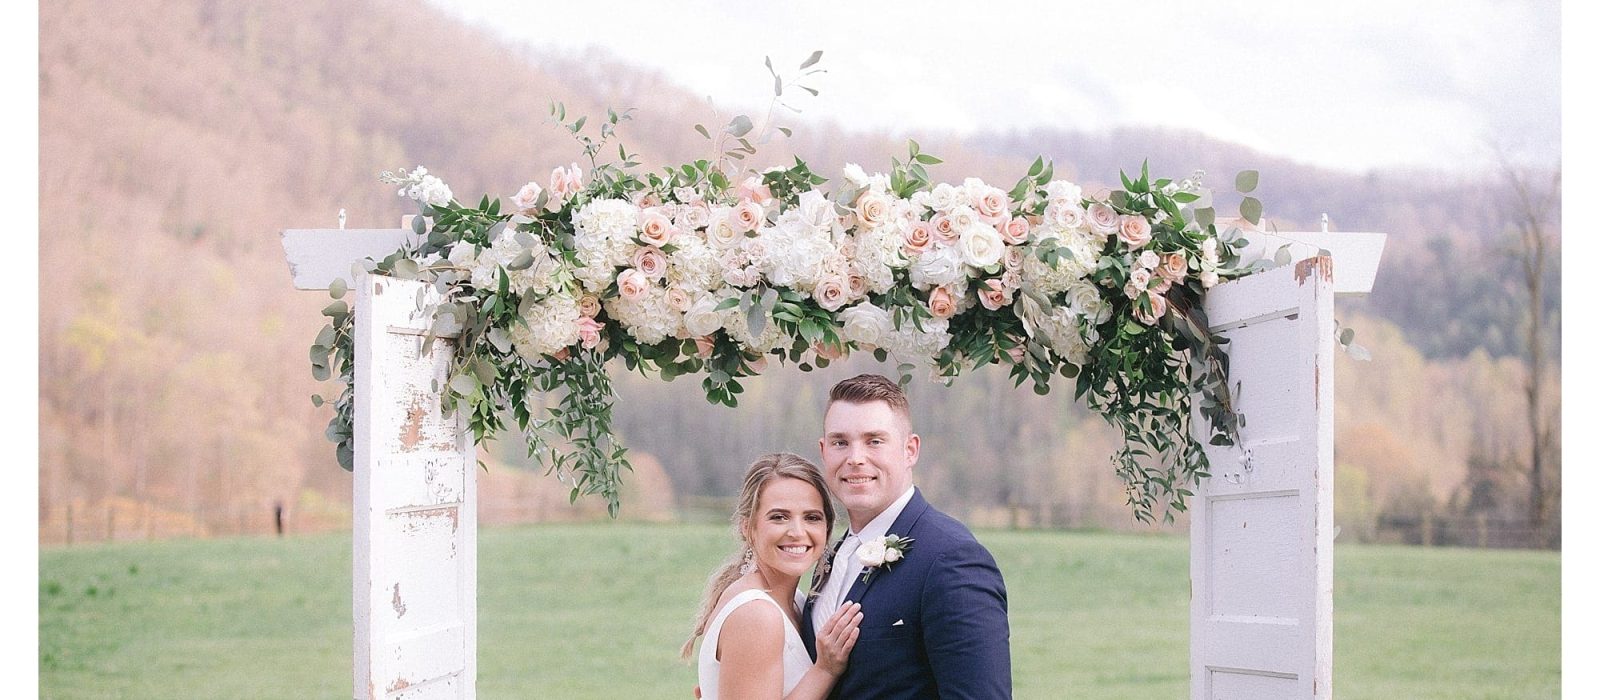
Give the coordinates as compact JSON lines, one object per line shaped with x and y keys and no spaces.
{"x":465,"y":321}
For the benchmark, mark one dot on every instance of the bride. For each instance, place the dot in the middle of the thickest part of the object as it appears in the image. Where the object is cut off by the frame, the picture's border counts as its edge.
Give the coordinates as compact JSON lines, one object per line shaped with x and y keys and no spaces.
{"x":752,"y":646}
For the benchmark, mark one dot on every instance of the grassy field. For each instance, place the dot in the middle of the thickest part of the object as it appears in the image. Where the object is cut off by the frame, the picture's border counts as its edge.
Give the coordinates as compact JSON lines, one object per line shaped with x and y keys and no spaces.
{"x":598,"y":611}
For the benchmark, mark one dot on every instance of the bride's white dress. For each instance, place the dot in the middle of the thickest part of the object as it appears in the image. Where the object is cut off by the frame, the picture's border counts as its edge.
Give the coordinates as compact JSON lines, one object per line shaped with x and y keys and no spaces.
{"x":795,"y":659}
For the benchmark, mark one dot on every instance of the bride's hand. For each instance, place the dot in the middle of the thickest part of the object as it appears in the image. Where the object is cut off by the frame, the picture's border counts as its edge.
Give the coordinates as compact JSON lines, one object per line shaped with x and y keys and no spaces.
{"x":837,"y":637}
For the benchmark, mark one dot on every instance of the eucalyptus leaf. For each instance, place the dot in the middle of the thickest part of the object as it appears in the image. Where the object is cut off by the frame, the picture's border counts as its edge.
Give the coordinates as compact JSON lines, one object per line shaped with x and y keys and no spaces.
{"x":740,"y":126}
{"x":812,"y":60}
{"x":1245,"y":183}
{"x":337,"y":288}
{"x":1250,"y":209}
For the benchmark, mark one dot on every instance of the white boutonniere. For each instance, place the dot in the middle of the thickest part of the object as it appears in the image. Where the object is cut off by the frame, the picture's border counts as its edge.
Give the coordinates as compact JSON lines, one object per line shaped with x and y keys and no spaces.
{"x":881,"y":553}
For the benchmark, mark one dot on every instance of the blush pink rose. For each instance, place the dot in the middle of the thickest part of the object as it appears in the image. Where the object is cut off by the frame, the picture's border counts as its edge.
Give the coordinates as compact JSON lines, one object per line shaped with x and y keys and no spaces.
{"x":589,"y":332}
{"x":919,"y":238}
{"x":941,"y":303}
{"x":828,"y":352}
{"x":655,"y":228}
{"x":993,"y":205}
{"x":1103,"y":219}
{"x":565,"y":182}
{"x":832,"y":292}
{"x":747,"y":216}
{"x":759,"y":364}
{"x":632,"y":284}
{"x":1014,"y":230}
{"x":1014,"y":258}
{"x":678,"y":300}
{"x":944,"y":230}
{"x":754,"y":189}
{"x":1134,"y":231}
{"x":562,"y":355}
{"x":527,"y":199}
{"x":649,"y":260}
{"x":858,"y":286}
{"x":993,"y":295}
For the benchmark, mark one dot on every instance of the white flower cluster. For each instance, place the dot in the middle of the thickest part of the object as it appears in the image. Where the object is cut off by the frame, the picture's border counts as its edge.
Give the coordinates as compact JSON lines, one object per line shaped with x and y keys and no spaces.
{"x":424,"y":188}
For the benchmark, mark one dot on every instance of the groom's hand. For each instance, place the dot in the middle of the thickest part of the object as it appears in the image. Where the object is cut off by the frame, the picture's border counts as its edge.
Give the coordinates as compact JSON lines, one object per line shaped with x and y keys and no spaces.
{"x":697,"y":692}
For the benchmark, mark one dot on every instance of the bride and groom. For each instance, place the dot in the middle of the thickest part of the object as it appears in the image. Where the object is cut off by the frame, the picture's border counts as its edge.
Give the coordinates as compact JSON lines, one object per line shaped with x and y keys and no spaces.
{"x":906,"y":605}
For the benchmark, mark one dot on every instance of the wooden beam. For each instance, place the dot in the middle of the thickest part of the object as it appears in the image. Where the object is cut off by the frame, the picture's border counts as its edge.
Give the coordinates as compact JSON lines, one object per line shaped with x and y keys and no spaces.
{"x":317,"y":257}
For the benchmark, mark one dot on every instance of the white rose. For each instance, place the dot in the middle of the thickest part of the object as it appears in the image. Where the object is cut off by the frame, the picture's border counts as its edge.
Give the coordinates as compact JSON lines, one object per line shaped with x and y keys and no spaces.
{"x":1149,"y":259}
{"x":943,"y":197}
{"x":1085,"y":299}
{"x":939,"y":266}
{"x":1208,"y":279}
{"x":981,"y":245}
{"x":892,"y":555}
{"x":872,"y":552}
{"x":702,"y":318}
{"x":865,"y":324}
{"x":856,"y":176}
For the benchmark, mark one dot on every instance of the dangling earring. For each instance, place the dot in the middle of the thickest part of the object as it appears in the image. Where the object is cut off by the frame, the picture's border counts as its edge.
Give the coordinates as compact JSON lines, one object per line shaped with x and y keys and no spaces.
{"x":749,"y":562}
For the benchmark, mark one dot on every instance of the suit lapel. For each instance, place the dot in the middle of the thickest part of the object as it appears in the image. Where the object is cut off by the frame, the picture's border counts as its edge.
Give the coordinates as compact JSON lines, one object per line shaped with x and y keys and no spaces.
{"x":902,"y":526}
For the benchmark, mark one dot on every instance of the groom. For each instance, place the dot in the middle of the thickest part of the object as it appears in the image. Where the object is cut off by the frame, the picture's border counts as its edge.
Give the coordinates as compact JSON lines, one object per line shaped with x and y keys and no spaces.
{"x":935,"y":620}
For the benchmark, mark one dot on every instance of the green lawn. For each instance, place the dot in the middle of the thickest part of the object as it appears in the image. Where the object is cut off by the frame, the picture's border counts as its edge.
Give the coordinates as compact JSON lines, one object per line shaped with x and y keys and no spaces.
{"x":580,"y":611}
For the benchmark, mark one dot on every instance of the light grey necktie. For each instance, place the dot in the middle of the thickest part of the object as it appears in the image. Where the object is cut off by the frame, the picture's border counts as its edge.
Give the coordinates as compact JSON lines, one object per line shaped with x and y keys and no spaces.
{"x":839,"y":580}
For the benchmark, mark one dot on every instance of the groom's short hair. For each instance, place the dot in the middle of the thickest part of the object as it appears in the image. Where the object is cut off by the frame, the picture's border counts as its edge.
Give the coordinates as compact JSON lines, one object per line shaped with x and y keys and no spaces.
{"x":866,"y":388}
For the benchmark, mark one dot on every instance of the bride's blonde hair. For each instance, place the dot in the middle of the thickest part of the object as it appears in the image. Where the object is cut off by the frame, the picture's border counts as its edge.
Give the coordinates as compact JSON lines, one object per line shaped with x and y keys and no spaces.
{"x":765,"y":469}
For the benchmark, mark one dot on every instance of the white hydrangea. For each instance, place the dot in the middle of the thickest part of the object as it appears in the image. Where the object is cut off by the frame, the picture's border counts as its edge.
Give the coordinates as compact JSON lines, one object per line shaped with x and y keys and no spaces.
{"x":603,"y":220}
{"x":549,"y":326}
{"x":878,"y":254}
{"x":1061,"y":331}
{"x":649,"y":319}
{"x":1063,"y":191}
{"x":538,"y":278}
{"x":908,"y":344}
{"x":738,"y":328}
{"x":693,"y":265}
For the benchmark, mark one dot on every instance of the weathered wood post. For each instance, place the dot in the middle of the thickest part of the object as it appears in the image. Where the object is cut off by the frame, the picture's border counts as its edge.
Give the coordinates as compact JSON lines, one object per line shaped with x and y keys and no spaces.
{"x":1261,"y":533}
{"x":414,"y":560}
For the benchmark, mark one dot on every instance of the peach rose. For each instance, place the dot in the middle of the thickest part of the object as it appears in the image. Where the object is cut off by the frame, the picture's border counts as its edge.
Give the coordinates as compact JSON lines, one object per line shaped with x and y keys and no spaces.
{"x":649,"y":260}
{"x":941,"y":303}
{"x":1158,"y":308}
{"x":1175,"y":267}
{"x":828,"y":352}
{"x":1018,"y":352}
{"x":655,"y":228}
{"x":589,"y":305}
{"x":632,"y":284}
{"x":703,"y":345}
{"x":1134,"y":231}
{"x":919,"y":238}
{"x":562,"y":355}
{"x":589,"y":332}
{"x":872,"y":209}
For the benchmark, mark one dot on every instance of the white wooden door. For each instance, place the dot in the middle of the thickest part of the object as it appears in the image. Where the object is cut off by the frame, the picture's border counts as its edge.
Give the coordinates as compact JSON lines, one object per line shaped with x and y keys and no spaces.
{"x":1261,"y":534}
{"x":415,"y":513}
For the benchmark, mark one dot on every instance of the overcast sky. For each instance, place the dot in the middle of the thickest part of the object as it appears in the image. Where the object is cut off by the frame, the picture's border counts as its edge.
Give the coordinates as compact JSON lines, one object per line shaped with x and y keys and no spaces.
{"x":1352,"y":85}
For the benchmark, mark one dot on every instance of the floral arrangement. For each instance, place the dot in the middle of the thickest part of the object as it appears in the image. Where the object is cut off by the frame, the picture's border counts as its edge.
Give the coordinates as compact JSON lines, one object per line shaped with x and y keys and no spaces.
{"x":880,"y":553}
{"x":701,"y":270}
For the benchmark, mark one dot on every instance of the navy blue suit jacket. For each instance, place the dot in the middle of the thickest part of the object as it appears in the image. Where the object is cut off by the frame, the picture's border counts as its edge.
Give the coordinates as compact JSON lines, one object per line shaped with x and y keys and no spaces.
{"x":934,"y":625}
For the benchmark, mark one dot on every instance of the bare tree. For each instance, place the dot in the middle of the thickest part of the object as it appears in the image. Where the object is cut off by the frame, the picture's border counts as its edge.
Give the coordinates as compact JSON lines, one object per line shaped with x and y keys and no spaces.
{"x":1532,"y":210}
